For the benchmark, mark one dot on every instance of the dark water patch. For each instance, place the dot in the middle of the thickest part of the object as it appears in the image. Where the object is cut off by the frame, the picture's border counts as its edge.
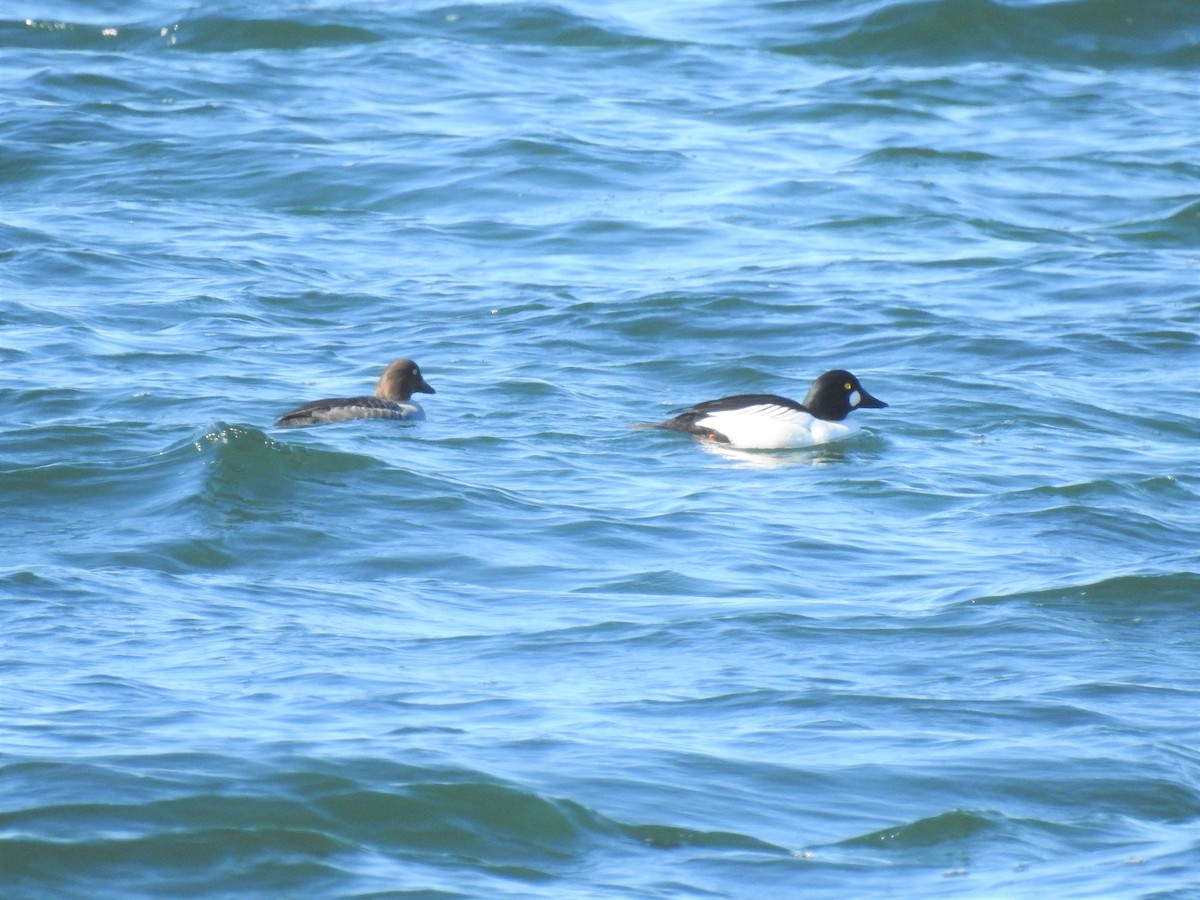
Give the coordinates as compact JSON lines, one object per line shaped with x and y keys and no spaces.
{"x":1178,"y":229}
{"x":1136,"y":708}
{"x":1176,"y":593}
{"x":226,"y":496}
{"x":471,"y":820}
{"x":1106,"y":789}
{"x":954,"y":826}
{"x":1122,"y":598}
{"x":194,"y":859}
{"x":113,"y":36}
{"x":539,"y":166}
{"x":948,"y":32}
{"x":1078,"y":530}
{"x":248,"y":466}
{"x":1135,"y":342}
{"x":601,"y":237}
{"x":918,"y":157}
{"x":64,"y":262}
{"x":666,"y":837}
{"x":660,"y":582}
{"x":198,"y":821}
{"x":201,"y":825}
{"x":66,"y":86}
{"x":704,"y":315}
{"x":231,"y":35}
{"x":538,"y":153}
{"x":13,"y":240}
{"x":265,"y":500}
{"x":538,"y":25}
{"x":85,"y":481}
{"x":1011,"y":854}
{"x":846,"y":113}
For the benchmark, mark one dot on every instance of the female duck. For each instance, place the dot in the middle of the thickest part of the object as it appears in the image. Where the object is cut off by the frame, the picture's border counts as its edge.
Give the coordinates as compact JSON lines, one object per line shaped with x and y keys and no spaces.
{"x":392,"y":400}
{"x":771,"y":422}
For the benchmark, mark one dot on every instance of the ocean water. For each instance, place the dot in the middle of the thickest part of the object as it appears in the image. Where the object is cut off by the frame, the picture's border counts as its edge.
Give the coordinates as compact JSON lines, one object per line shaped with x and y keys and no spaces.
{"x":522,"y":649}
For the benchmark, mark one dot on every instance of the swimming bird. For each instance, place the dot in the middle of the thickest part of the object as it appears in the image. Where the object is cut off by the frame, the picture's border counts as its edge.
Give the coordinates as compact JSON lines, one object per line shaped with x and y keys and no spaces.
{"x":392,"y":400}
{"x":771,"y":422}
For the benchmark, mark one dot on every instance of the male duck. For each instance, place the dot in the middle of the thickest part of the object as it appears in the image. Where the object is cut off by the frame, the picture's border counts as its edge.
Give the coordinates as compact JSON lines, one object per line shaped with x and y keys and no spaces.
{"x":771,"y":422}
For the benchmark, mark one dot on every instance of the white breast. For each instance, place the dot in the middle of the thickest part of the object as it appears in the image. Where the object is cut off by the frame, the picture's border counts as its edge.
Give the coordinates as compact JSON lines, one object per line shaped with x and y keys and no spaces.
{"x":770,"y":427}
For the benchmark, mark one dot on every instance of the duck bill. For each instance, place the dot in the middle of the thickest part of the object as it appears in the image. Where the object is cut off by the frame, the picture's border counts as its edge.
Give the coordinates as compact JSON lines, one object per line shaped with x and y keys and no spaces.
{"x":423,"y":388}
{"x":869,"y":402}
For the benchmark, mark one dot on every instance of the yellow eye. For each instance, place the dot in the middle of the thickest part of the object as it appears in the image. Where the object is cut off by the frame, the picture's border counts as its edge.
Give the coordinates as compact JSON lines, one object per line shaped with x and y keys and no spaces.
{"x":848,"y":386}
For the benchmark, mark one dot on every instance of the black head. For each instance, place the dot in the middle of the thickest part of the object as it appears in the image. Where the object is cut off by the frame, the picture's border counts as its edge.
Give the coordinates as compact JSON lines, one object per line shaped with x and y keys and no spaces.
{"x":836,"y":394}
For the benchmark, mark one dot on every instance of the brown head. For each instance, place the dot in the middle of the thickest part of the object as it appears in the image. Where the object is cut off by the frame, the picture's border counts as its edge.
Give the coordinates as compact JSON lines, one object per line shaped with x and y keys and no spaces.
{"x":400,"y":380}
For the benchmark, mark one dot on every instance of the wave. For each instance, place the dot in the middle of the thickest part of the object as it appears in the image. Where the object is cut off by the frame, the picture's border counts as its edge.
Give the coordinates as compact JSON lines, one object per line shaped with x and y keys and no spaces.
{"x":538,"y":24}
{"x":955,"y":825}
{"x":917,"y":157}
{"x":205,"y":819}
{"x":1072,"y":32}
{"x":242,"y":461}
{"x":224,"y":496}
{"x":916,"y":32}
{"x":1167,"y":594}
{"x":229,"y":35}
{"x":512,"y":24}
{"x":200,"y":34}
{"x":1178,"y":228}
{"x":356,"y":825}
{"x":245,"y":463}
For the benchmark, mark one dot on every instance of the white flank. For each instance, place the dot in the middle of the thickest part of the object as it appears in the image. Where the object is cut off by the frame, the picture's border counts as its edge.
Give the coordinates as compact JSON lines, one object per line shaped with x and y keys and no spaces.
{"x":770,"y":427}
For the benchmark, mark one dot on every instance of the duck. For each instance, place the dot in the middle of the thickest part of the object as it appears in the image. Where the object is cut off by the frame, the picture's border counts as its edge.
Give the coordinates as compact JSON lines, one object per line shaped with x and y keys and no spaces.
{"x":392,"y":400}
{"x":772,"y":422}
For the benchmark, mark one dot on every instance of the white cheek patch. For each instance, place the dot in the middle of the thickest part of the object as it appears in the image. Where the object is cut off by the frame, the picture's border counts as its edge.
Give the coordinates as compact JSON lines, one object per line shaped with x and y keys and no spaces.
{"x":855,"y":398}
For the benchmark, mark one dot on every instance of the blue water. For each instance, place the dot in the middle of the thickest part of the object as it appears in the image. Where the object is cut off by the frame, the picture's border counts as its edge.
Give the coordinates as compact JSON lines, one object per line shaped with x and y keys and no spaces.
{"x":522,"y":649}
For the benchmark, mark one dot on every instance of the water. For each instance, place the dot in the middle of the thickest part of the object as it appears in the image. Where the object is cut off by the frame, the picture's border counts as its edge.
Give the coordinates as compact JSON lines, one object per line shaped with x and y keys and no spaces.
{"x":522,"y":649}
